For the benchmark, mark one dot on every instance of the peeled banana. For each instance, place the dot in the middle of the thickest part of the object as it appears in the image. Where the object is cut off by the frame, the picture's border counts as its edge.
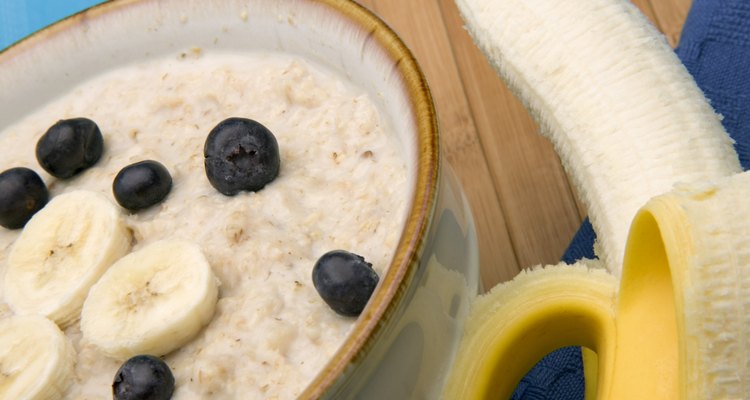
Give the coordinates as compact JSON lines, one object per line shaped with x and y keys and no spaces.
{"x":664,"y":192}
{"x":61,"y":252}
{"x":151,"y":301}
{"x":624,"y":115}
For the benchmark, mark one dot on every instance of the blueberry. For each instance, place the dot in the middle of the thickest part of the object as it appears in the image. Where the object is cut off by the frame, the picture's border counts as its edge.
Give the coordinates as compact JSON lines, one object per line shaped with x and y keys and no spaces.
{"x":70,"y":146}
{"x":141,"y":185}
{"x":143,"y":377}
{"x":345,"y":281}
{"x":240,"y":154}
{"x":22,"y":194}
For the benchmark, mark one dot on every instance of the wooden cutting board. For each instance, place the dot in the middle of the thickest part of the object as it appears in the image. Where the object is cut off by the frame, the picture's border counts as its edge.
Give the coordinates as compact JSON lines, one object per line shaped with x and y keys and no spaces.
{"x":525,"y":209}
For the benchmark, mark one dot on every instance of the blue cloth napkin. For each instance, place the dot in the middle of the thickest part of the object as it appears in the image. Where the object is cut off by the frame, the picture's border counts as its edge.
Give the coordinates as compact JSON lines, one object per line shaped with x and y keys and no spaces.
{"x":715,"y":48}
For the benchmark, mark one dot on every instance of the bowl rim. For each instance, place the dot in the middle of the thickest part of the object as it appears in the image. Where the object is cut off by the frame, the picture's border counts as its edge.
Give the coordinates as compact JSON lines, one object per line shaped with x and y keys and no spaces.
{"x":402,"y":270}
{"x":393,"y":284}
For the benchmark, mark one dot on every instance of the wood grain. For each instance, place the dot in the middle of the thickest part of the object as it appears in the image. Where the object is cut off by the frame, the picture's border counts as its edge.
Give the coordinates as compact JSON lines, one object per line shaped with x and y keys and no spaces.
{"x":460,"y":142}
{"x":670,"y":16}
{"x":524,"y":207}
{"x":526,"y":172}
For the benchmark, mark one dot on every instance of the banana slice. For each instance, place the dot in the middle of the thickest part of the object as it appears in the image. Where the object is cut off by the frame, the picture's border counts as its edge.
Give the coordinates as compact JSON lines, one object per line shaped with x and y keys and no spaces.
{"x":61,"y":253}
{"x":36,"y":359}
{"x":151,"y":301}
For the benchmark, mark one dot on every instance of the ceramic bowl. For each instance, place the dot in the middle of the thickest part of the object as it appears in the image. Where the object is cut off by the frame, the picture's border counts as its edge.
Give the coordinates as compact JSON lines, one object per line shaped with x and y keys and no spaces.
{"x":403,"y":342}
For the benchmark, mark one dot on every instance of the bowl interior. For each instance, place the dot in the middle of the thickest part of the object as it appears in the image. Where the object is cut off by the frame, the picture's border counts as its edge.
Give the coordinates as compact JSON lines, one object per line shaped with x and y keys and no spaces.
{"x":122,"y":32}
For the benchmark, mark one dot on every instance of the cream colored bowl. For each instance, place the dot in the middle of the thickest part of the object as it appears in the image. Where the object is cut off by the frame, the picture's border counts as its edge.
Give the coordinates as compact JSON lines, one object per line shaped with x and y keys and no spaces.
{"x":403,"y":343}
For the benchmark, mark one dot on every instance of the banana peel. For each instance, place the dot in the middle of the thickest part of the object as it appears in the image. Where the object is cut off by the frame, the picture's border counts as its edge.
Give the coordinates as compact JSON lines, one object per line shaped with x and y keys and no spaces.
{"x":673,"y":328}
{"x":514,"y":325}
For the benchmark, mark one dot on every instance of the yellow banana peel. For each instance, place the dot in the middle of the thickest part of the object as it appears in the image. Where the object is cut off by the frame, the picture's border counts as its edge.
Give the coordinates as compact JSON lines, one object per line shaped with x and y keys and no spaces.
{"x":675,"y":327}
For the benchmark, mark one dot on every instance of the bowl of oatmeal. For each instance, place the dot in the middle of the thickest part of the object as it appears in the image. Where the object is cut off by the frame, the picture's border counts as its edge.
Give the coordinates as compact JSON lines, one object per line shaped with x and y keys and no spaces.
{"x":360,"y":170}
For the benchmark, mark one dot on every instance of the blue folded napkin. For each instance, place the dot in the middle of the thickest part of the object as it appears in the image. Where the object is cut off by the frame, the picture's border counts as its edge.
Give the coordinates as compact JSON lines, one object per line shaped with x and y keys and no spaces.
{"x":715,"y":48}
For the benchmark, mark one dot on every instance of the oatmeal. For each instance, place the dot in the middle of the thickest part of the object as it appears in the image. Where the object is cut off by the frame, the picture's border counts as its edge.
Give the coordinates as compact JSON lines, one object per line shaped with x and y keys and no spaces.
{"x":342,"y":185}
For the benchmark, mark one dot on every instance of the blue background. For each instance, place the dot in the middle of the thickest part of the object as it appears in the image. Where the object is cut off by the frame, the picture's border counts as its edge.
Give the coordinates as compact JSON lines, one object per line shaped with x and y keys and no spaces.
{"x":20,"y":18}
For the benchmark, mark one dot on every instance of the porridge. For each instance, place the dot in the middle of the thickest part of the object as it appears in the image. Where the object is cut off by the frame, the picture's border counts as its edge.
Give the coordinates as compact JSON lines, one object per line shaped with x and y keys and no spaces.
{"x":342,"y":184}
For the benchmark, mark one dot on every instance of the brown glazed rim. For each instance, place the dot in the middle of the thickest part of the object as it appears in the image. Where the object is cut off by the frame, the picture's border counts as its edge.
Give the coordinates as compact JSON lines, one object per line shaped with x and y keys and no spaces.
{"x":400,"y":274}
{"x":393,"y":284}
